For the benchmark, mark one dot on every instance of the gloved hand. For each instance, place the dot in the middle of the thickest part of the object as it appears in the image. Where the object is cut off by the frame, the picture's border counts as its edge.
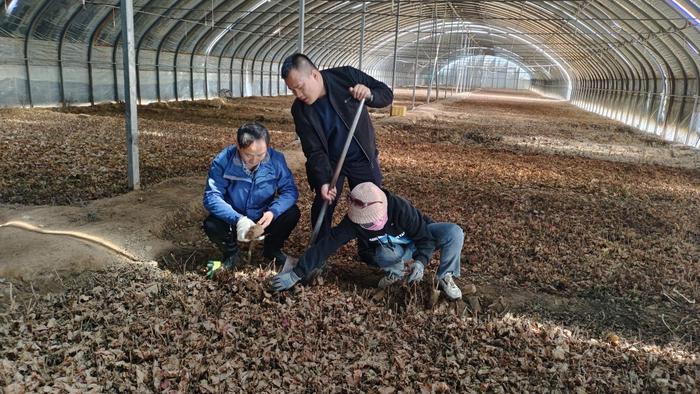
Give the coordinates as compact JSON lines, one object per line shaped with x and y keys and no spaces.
{"x":212,"y":267}
{"x":284,"y":281}
{"x":416,"y":272}
{"x":244,"y":224}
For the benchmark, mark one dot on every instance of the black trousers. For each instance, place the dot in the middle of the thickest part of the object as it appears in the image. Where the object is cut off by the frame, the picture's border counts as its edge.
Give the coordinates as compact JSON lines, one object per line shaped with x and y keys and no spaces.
{"x":223,"y":235}
{"x":355,"y":174}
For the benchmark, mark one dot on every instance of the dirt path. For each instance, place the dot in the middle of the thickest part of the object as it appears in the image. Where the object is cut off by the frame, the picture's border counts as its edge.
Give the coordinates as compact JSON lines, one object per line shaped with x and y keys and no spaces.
{"x":133,"y":222}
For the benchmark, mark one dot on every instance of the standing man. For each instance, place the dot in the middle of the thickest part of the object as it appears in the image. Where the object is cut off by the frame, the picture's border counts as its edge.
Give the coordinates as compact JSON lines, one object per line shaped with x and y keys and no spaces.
{"x":250,"y":183}
{"x":323,"y":112}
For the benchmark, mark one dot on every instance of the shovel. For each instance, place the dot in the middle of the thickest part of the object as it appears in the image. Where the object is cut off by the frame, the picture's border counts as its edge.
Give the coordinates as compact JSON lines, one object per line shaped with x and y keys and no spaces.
{"x":291,"y":262}
{"x":336,"y":173}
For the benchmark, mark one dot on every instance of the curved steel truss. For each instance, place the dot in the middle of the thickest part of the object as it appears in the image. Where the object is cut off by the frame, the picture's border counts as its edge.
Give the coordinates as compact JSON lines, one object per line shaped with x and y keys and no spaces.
{"x":633,"y":61}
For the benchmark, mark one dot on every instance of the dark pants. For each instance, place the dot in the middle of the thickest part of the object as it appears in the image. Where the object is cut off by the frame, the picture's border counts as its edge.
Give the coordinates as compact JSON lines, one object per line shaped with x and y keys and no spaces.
{"x":356,"y":174}
{"x":223,"y":235}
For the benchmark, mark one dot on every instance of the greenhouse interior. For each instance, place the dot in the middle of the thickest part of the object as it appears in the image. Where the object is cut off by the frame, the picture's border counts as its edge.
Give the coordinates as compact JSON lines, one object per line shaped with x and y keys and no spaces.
{"x":520,"y":212}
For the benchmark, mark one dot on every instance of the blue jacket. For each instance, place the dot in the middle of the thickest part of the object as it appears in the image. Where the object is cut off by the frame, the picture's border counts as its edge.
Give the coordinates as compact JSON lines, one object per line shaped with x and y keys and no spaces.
{"x":232,"y":191}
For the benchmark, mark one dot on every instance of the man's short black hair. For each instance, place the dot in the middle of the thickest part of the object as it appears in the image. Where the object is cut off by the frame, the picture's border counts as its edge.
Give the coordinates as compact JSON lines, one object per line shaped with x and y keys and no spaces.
{"x":297,"y":61}
{"x":251,"y":132}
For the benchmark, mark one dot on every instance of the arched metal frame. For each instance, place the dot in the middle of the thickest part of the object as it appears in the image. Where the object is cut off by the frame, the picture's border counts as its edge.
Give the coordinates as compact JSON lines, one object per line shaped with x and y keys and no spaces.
{"x":636,"y":62}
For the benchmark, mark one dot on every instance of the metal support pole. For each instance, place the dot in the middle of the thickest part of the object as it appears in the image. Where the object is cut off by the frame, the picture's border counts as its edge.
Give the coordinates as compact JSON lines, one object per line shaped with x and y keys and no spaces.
{"x":60,"y":53}
{"x":300,"y":43}
{"x":437,"y":62}
{"x":458,"y":66}
{"x":437,"y":47}
{"x":27,"y":66}
{"x":460,"y":69}
{"x":470,"y":67}
{"x":362,"y":33}
{"x":415,"y":63}
{"x":449,"y":51}
{"x":396,"y":45}
{"x":132,"y":133}
{"x":465,"y":64}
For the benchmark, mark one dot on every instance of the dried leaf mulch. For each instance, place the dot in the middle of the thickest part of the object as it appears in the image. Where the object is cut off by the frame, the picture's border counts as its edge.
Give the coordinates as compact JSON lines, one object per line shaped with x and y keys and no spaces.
{"x":570,"y":226}
{"x":554,"y":224}
{"x":141,"y":329}
{"x":49,"y":157}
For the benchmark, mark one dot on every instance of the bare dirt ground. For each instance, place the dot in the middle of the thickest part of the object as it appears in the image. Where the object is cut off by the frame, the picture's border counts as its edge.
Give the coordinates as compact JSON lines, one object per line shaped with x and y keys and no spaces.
{"x":581,"y":236}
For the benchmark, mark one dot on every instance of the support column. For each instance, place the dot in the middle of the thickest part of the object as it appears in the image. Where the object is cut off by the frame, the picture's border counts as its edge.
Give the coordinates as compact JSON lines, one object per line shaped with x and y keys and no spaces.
{"x":458,"y":65}
{"x":463,"y":64}
{"x":437,"y":62}
{"x":437,"y":48}
{"x":415,"y":63}
{"x":396,"y":45}
{"x":132,"y":133}
{"x":300,"y":43}
{"x":449,"y":52}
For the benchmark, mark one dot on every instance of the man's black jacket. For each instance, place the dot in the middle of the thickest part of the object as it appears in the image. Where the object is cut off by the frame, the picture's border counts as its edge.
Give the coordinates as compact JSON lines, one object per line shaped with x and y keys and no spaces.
{"x":404,"y":220}
{"x":309,"y":127}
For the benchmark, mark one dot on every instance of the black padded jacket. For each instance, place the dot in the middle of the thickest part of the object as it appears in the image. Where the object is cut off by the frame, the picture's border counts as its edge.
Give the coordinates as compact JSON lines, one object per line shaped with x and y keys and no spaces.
{"x":309,"y":127}
{"x":404,"y":220}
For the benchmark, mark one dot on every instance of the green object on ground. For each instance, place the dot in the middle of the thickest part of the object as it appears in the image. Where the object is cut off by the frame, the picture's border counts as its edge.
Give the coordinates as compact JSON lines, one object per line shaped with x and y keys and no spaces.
{"x":213,"y":266}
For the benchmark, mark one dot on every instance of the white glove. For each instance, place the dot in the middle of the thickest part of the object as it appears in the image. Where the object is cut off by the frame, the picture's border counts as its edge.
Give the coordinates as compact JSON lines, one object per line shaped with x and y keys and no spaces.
{"x":416,"y":272}
{"x":244,"y":224}
{"x":289,"y":264}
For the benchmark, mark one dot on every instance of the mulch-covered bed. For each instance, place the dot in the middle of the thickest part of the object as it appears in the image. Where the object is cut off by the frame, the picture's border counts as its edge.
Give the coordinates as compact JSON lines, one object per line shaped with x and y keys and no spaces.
{"x":611,"y":230}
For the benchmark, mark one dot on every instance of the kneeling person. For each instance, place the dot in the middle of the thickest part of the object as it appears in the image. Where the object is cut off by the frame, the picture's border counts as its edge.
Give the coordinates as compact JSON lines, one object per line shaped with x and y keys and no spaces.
{"x":396,"y":231}
{"x":250,"y":183}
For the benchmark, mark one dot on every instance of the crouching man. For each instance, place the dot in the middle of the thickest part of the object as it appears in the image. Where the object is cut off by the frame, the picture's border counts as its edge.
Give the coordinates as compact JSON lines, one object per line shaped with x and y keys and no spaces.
{"x":396,"y":231}
{"x":250,"y":183}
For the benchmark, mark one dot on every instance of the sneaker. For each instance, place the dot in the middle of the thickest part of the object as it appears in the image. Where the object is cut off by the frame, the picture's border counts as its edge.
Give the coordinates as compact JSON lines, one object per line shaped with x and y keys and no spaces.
{"x":388,"y":280}
{"x":448,"y":286}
